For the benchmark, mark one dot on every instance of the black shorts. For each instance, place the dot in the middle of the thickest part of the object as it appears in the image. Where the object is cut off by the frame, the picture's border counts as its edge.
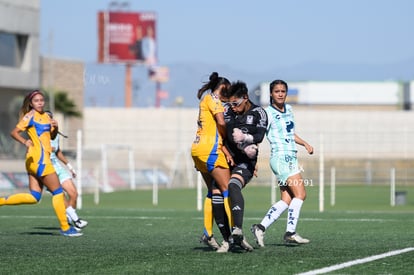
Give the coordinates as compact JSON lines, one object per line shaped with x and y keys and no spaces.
{"x":245,"y":170}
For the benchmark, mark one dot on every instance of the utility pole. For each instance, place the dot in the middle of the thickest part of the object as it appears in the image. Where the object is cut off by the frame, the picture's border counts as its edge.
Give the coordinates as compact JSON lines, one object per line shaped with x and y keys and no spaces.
{"x":51,"y":73}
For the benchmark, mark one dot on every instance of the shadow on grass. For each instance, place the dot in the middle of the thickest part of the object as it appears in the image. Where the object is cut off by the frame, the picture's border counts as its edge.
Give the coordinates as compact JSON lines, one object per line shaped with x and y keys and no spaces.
{"x":39,"y":233}
{"x":46,"y":228}
{"x":47,"y":231}
{"x":283,"y":245}
{"x":203,"y":248}
{"x":233,"y":249}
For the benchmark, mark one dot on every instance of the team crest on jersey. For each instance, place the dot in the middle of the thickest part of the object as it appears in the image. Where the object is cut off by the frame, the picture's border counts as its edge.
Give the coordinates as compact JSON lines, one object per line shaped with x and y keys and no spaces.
{"x":289,"y":126}
{"x":249,"y":119}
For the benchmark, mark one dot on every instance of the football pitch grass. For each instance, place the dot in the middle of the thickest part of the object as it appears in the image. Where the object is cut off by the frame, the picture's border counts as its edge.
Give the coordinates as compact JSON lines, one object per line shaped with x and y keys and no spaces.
{"x":361,"y":234}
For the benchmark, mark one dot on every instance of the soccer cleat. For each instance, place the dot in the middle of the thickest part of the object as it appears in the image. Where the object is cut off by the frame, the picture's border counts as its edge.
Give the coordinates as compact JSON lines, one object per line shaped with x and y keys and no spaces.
{"x":71,"y":232}
{"x":80,"y":224}
{"x":211,"y":242}
{"x":293,"y":238}
{"x":237,"y":235}
{"x":246,"y":246}
{"x":258,"y":235}
{"x":224,"y":248}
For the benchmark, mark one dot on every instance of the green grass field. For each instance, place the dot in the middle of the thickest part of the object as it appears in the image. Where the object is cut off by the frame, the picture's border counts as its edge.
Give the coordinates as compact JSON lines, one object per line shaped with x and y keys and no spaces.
{"x":128,"y":235}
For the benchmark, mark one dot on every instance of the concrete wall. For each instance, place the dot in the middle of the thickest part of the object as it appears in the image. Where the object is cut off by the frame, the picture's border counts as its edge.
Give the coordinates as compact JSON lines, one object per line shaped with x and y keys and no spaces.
{"x":343,"y":133}
{"x":357,"y":142}
{"x":362,"y":145}
{"x":65,"y":76}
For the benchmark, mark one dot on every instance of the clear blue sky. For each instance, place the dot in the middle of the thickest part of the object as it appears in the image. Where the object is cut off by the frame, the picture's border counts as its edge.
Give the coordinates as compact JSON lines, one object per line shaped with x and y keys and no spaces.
{"x":250,"y":35}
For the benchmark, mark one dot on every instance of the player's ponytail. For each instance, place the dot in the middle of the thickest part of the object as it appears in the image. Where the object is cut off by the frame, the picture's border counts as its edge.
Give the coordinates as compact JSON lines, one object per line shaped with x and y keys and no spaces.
{"x":214,"y":82}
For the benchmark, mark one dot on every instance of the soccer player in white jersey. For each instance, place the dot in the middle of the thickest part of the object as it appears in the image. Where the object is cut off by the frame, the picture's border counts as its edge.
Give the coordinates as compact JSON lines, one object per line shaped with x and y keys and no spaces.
{"x":57,"y":157}
{"x":283,"y":162}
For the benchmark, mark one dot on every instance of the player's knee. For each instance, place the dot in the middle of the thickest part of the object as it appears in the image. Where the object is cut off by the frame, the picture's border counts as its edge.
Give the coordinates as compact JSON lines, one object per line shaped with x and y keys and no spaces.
{"x":57,"y":191}
{"x":73,"y":194}
{"x":235,"y":185}
{"x":300,"y":194}
{"x":36,"y":195}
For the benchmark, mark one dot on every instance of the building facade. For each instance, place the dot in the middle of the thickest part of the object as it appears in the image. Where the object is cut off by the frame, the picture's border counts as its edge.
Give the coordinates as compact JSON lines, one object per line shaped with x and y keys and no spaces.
{"x":19,"y":59}
{"x":22,"y":69}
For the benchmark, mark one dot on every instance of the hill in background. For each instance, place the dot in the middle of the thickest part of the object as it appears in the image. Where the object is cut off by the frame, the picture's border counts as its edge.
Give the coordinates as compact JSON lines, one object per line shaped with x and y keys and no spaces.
{"x":104,"y":84}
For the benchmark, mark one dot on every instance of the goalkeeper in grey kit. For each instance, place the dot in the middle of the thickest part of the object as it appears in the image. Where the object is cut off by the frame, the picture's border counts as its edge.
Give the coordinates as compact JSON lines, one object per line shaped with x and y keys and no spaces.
{"x":246,"y":126}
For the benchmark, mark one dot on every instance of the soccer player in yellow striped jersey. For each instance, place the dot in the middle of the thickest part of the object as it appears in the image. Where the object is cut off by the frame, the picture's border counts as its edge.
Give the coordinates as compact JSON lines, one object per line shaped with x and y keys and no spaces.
{"x":37,"y":124}
{"x":210,"y":159}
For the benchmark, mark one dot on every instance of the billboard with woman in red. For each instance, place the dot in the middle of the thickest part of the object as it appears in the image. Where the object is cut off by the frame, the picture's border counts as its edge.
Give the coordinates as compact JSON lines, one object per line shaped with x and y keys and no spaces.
{"x":127,"y":37}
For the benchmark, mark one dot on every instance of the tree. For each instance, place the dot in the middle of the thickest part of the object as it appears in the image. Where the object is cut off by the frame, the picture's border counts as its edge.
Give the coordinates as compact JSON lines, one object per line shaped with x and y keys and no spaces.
{"x":63,"y":104}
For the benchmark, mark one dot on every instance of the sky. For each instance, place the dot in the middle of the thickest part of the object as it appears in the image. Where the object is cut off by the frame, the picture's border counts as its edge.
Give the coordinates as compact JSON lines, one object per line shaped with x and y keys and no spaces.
{"x":249,"y":40}
{"x":250,"y":35}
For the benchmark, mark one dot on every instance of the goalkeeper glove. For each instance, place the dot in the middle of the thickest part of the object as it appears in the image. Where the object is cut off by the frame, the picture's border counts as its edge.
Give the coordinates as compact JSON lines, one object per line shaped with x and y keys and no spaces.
{"x":251,"y":151}
{"x":240,"y":137}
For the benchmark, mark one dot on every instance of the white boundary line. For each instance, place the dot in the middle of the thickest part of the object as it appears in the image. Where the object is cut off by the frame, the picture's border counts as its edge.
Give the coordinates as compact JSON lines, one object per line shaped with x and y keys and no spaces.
{"x":358,"y":261}
{"x":194,"y":218}
{"x":93,"y":217}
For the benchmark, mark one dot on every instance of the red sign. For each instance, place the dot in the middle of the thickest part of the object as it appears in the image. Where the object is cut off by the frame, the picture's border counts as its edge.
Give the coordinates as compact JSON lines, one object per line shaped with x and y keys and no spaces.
{"x":127,"y":37}
{"x":162,"y":94}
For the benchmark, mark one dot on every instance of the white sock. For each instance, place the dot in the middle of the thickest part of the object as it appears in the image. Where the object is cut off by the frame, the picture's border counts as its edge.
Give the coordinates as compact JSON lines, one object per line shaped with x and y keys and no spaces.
{"x":293,"y":214}
{"x":274,"y":213}
{"x":72,"y":213}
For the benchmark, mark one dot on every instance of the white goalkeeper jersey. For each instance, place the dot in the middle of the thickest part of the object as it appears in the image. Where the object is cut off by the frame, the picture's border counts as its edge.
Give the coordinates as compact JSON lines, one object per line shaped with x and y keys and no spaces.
{"x":281,"y":130}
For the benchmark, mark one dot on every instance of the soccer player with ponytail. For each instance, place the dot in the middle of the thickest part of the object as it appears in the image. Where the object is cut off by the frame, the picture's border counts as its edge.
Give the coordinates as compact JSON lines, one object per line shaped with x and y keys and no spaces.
{"x":210,"y":160}
{"x":37,"y":124}
{"x":284,"y":163}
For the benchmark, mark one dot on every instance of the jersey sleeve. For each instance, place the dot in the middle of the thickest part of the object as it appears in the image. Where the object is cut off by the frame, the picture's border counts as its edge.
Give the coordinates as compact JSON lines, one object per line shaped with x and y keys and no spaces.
{"x":23,"y":124}
{"x":269,"y":118}
{"x":215,"y":106}
{"x":261,"y":125}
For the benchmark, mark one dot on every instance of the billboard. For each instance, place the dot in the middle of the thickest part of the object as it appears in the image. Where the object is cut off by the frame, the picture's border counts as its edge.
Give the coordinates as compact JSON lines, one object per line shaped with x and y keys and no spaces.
{"x":127,"y":37}
{"x":337,"y":93}
{"x":159,"y":74}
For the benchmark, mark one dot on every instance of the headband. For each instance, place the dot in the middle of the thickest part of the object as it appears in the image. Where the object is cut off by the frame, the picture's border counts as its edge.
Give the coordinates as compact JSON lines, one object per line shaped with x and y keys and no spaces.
{"x":33,"y":93}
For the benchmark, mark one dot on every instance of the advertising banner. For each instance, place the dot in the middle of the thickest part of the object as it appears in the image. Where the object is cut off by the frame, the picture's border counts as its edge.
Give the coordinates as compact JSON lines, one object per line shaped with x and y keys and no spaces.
{"x":127,"y":37}
{"x":159,"y":74}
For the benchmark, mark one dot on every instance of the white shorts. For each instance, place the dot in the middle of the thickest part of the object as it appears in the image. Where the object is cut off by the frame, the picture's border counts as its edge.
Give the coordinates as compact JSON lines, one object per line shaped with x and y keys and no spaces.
{"x":284,"y":166}
{"x":61,"y":171}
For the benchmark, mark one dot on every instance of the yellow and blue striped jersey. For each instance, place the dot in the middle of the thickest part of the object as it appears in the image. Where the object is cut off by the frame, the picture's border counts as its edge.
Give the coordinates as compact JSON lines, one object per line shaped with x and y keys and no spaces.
{"x":38,"y":127}
{"x":208,"y":139}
